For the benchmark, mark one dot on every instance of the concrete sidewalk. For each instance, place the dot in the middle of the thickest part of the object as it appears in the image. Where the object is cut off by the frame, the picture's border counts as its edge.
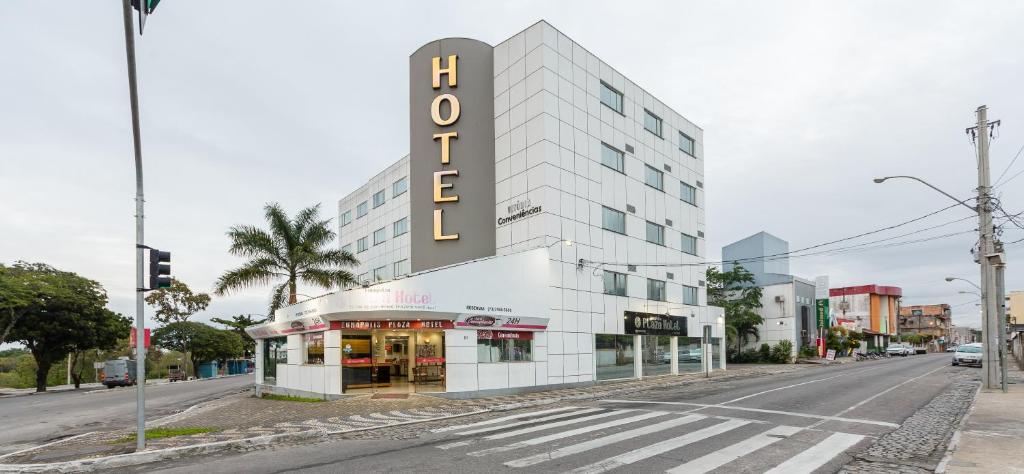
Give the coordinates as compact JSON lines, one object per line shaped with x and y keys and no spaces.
{"x":993,"y":433}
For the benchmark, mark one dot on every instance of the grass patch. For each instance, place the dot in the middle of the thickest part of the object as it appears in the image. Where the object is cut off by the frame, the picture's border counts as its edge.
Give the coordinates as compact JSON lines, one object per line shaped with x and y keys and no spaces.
{"x":289,"y":398}
{"x":158,"y":433}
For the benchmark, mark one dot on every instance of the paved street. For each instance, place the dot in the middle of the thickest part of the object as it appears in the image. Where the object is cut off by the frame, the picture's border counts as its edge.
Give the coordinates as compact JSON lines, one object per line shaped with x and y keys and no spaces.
{"x":806,"y":421}
{"x":31,"y":420}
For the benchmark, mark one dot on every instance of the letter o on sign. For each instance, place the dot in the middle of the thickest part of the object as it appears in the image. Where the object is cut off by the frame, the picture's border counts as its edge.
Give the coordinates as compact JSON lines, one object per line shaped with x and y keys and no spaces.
{"x":435,"y":109}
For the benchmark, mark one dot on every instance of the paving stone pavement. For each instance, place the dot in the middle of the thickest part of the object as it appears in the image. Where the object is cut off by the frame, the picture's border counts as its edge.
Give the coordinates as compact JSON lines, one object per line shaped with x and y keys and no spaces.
{"x":919,"y":444}
{"x":363,"y":417}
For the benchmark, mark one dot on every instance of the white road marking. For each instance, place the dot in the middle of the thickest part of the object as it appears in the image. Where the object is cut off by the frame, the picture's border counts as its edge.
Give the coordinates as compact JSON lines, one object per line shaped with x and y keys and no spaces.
{"x":733,"y":452}
{"x":879,"y":394}
{"x":603,"y":441}
{"x":817,"y":455}
{"x":761,"y":410}
{"x":659,"y":448}
{"x":504,"y":418}
{"x":527,"y":422}
{"x":844,"y":374}
{"x":566,"y":434}
{"x":547,"y":426}
{"x":457,"y":444}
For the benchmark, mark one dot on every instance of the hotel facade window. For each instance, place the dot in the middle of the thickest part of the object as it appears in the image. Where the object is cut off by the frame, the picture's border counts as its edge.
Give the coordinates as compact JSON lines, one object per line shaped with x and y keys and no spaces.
{"x":362,"y":209}
{"x":614,"y":283}
{"x":655,"y":233}
{"x":689,"y":244}
{"x":490,"y":349}
{"x":654,"y":177}
{"x":655,"y":290}
{"x":652,"y":123}
{"x":613,"y":220}
{"x":613,"y":158}
{"x":687,"y":193}
{"x":379,"y":236}
{"x":611,"y":97}
{"x":346,"y":218}
{"x":614,"y":356}
{"x":686,"y":144}
{"x":380,"y":273}
{"x":399,"y":187}
{"x":346,"y":248}
{"x":378,"y":199}
{"x":361,"y":245}
{"x":690,"y":295}
{"x":400,"y":227}
{"x":314,"y":344}
{"x":401,"y":267}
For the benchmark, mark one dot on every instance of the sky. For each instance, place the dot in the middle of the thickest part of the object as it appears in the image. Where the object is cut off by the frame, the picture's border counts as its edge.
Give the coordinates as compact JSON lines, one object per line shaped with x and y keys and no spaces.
{"x":244,"y":103}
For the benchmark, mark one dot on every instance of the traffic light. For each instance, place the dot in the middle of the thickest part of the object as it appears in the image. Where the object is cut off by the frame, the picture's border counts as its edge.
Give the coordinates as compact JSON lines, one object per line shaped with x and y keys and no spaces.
{"x":150,"y":5}
{"x":159,"y":265}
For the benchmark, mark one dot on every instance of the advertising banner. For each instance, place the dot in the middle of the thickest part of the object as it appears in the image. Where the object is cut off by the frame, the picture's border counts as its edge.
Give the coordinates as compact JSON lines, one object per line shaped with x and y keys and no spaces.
{"x":654,"y":324}
{"x":281,"y":328}
{"x":409,"y":325}
{"x":133,"y":338}
{"x":521,"y":335}
{"x":821,"y":311}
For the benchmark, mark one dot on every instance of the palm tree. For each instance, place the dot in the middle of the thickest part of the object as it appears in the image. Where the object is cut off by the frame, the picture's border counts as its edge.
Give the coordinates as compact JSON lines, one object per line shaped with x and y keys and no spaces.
{"x":293,"y":249}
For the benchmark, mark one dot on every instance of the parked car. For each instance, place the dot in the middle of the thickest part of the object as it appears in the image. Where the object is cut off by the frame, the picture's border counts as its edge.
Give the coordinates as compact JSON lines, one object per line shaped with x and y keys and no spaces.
{"x":685,"y":355}
{"x":899,"y":350}
{"x":119,"y":373}
{"x":968,"y":354}
{"x":175,"y":373}
{"x":950,"y":348}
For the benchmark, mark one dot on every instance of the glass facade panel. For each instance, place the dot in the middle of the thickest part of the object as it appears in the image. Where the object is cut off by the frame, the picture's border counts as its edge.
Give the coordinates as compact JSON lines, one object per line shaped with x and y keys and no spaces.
{"x":362,"y":209}
{"x":689,"y":244}
{"x":314,"y":345}
{"x":612,"y":158}
{"x":652,"y":123}
{"x":687,"y":193}
{"x":399,"y":187}
{"x":654,"y":177}
{"x":689,"y":354}
{"x":504,"y":350}
{"x":613,"y":220}
{"x":614,"y":354}
{"x":378,"y":198}
{"x":614,"y":283}
{"x":361,"y":245}
{"x":401,"y":267}
{"x":346,"y":218}
{"x":686,"y":144}
{"x":689,"y":295}
{"x":655,"y":233}
{"x":655,"y":290}
{"x":657,"y":358}
{"x":611,"y":97}
{"x":400,"y":227}
{"x":379,"y":236}
{"x":716,"y":353}
{"x":275,"y":351}
{"x":380,"y":273}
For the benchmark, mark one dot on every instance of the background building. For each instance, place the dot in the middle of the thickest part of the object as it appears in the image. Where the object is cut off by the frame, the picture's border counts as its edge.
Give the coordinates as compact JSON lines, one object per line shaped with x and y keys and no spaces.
{"x":870,"y":309}
{"x":1015,"y":307}
{"x":933,"y":320}
{"x":787,"y":301}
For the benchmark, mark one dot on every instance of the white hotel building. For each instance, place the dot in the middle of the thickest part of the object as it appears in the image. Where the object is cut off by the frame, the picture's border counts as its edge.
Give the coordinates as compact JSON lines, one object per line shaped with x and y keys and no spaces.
{"x":572,"y":254}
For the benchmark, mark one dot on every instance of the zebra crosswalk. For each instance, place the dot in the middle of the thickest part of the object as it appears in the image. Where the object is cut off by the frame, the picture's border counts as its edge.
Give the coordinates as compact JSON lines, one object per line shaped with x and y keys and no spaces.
{"x":584,"y":440}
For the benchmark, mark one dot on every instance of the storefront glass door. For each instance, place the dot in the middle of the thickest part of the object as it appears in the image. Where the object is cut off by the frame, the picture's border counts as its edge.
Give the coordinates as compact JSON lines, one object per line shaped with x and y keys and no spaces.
{"x":274,"y":352}
{"x":389,"y":361}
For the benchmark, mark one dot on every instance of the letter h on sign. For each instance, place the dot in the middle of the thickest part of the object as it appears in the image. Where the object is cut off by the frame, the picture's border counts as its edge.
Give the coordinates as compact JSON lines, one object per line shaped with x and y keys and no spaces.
{"x":453,"y":115}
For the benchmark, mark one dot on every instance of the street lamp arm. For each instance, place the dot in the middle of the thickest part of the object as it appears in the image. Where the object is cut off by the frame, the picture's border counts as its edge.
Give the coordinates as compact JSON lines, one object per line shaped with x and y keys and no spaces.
{"x":958,"y":201}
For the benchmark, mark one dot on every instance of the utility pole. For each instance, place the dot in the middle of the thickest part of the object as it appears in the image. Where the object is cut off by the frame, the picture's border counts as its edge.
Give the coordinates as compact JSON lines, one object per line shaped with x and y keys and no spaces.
{"x":1000,"y":270}
{"x":986,"y":249}
{"x":140,"y":319}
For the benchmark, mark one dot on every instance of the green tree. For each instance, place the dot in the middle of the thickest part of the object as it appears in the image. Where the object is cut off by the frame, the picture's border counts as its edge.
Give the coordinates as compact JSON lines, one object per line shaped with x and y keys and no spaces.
{"x":201,"y":342}
{"x":55,"y":313}
{"x":295,"y":250}
{"x":736,"y":293}
{"x":176,"y":303}
{"x":237,"y":324}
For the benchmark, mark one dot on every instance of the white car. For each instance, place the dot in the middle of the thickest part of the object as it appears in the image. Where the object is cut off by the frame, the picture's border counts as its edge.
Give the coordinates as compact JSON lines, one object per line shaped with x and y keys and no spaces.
{"x":968,"y":354}
{"x":899,"y":350}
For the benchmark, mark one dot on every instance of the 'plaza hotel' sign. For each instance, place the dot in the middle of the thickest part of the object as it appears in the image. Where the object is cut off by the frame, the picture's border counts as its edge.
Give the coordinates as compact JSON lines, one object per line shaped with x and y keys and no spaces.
{"x":451,"y":156}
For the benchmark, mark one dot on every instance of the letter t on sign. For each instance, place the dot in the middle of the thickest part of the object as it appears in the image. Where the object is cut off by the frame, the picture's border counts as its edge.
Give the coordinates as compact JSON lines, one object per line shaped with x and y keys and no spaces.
{"x":446,"y":145}
{"x":451,"y":71}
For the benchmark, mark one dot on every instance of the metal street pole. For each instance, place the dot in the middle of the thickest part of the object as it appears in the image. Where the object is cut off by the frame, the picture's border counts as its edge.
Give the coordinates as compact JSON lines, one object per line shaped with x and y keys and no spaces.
{"x":1001,"y":314}
{"x":140,"y":320}
{"x":989,"y":328}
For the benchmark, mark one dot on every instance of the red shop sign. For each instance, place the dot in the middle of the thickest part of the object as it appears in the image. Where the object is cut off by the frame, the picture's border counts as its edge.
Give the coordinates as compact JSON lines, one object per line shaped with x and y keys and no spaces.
{"x":430,"y":360}
{"x":365,"y":360}
{"x":415,"y":325}
{"x":522,"y":335}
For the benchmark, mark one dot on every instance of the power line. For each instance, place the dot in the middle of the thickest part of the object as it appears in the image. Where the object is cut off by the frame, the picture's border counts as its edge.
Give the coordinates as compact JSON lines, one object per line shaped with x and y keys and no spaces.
{"x":1014,"y":160}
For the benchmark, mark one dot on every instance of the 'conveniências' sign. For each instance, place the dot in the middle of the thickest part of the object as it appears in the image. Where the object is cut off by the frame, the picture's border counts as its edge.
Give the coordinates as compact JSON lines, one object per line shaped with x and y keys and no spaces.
{"x":654,"y":324}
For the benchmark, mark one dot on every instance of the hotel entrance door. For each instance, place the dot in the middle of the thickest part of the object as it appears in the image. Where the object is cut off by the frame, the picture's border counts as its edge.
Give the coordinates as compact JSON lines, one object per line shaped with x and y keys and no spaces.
{"x":392,"y":361}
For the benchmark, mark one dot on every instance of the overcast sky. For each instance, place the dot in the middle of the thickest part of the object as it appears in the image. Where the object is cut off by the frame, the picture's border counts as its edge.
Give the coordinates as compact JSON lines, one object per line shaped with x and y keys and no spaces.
{"x":246,"y":102}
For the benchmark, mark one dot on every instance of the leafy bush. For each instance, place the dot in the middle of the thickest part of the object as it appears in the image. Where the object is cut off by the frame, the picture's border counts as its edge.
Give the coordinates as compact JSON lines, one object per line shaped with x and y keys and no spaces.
{"x":764,"y":353}
{"x":808,"y":351}
{"x":749,"y":356}
{"x":782,"y":353}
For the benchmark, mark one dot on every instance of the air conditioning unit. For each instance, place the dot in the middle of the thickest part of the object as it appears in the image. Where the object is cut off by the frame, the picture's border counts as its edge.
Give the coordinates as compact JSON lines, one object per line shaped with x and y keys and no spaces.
{"x":780,"y":299}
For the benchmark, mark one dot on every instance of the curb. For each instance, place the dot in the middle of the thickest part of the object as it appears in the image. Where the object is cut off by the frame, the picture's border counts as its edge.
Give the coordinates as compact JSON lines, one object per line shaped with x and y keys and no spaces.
{"x":955,"y":439}
{"x":156,"y":455}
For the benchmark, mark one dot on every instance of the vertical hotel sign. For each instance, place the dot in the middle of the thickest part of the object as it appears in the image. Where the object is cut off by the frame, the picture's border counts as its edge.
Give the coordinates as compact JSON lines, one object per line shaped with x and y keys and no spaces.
{"x":451,"y":152}
{"x":821,"y":310}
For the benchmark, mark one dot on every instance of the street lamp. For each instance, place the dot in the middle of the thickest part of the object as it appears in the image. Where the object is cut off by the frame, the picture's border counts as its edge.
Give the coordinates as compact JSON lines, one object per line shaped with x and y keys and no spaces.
{"x":958,"y":201}
{"x":970,"y":293}
{"x":965,"y":280}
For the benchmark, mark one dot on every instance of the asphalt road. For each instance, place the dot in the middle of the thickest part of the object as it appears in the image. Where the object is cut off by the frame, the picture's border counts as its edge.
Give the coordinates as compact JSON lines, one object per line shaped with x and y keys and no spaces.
{"x":31,"y":420}
{"x":807,"y":421}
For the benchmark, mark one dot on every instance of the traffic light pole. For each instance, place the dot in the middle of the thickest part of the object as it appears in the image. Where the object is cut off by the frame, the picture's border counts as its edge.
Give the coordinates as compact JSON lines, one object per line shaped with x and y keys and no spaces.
{"x":140,"y":320}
